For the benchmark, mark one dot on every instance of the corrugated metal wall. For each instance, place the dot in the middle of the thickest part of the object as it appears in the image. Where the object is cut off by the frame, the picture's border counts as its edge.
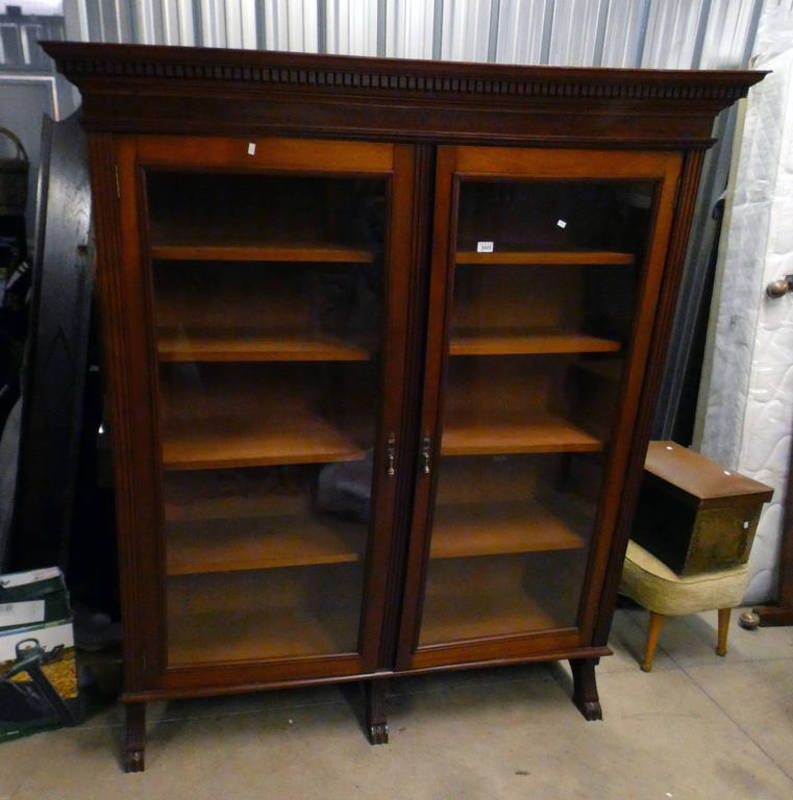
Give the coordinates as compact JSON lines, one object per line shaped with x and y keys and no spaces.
{"x":19,"y":35}
{"x":618,"y":33}
{"x":689,"y":34}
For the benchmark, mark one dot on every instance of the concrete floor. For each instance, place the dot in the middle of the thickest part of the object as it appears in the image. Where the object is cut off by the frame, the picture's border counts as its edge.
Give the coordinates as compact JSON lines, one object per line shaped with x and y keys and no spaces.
{"x":698,"y":726}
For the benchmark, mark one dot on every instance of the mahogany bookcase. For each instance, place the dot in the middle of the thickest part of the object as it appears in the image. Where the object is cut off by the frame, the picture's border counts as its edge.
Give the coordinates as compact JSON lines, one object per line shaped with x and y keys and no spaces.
{"x":382,"y":340}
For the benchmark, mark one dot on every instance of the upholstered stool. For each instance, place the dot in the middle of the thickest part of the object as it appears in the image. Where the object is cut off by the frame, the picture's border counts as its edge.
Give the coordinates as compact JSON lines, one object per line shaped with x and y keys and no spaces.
{"x":654,"y":586}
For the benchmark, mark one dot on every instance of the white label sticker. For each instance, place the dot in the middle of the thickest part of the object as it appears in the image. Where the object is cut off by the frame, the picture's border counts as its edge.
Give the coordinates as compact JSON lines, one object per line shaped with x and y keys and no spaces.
{"x":33,"y":576}
{"x":484,"y":247}
{"x":561,"y":223}
{"x":23,"y":613}
{"x":251,"y":148}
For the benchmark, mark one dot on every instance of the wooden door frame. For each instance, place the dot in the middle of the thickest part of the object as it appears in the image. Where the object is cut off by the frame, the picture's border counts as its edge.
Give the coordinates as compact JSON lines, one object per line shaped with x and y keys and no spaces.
{"x":125,"y":278}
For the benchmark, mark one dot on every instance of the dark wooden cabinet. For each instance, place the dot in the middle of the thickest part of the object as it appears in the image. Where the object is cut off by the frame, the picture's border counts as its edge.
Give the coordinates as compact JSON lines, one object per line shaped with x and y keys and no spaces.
{"x":382,"y":339}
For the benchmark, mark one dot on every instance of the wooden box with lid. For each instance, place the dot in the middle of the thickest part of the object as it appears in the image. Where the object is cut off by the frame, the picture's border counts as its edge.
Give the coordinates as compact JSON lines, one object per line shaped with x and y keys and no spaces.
{"x":693,"y":514}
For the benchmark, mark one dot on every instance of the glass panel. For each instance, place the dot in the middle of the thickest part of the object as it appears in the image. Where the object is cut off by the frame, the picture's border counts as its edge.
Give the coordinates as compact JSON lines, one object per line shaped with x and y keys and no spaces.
{"x":545,"y":286}
{"x":268,"y":294}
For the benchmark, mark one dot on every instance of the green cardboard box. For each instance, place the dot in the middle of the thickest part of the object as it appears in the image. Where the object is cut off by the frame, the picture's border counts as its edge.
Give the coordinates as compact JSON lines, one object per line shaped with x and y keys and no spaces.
{"x":38,"y":674}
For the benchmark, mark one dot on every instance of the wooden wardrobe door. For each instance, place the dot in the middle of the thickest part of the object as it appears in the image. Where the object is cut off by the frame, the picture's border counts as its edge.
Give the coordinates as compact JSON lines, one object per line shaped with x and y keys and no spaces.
{"x":546,"y":269}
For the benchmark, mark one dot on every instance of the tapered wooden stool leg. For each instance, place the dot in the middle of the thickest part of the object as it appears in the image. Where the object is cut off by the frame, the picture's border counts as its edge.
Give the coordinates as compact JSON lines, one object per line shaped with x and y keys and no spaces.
{"x":724,"y":627}
{"x":654,"y":628}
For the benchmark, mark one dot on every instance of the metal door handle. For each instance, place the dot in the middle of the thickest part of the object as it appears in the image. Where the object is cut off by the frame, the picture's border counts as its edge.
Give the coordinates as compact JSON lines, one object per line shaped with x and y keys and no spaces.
{"x":426,"y":447}
{"x":390,"y":456}
{"x":780,"y":287}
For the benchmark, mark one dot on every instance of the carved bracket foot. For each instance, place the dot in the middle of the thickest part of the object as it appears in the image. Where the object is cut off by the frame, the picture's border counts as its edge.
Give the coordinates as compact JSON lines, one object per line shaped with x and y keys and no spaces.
{"x":585,"y":693}
{"x":135,"y":744}
{"x":133,"y":761}
{"x":376,"y":724}
{"x":590,"y":710}
{"x":378,"y":734}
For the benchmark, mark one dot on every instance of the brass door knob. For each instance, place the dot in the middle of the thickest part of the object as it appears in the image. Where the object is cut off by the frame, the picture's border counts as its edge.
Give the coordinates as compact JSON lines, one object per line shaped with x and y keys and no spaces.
{"x":780,"y":287}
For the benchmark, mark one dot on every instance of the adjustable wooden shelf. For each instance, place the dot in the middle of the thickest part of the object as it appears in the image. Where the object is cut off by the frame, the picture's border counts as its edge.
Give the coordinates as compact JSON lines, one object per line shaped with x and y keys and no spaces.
{"x":560,"y":257}
{"x":286,"y":252}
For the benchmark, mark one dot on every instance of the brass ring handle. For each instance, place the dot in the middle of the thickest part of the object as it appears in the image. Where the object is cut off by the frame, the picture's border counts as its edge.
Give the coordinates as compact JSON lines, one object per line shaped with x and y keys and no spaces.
{"x":780,"y":287}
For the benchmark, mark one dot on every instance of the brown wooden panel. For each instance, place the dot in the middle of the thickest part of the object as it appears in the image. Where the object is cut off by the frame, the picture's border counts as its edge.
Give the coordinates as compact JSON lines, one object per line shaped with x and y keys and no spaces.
{"x":258,"y":615}
{"x":554,"y":646}
{"x":252,"y":519}
{"x":299,"y":155}
{"x":482,"y":343}
{"x":394,"y":393}
{"x":540,"y":257}
{"x":479,"y":528}
{"x":248,"y":93}
{"x":200,"y":252}
{"x":517,"y":432}
{"x":624,"y":435}
{"x":295,"y":438}
{"x":255,"y":346}
{"x":245,"y":677}
{"x":263,"y":542}
{"x":416,"y":299}
{"x":675,"y":215}
{"x":439,"y":292}
{"x":119,"y":284}
{"x":701,"y":481}
{"x":128,"y":308}
{"x":515,"y":163}
{"x":232,"y":679}
{"x":486,"y":608}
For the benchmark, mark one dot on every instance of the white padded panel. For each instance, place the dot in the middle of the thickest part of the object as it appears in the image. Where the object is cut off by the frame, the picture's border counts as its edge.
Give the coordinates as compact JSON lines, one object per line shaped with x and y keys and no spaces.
{"x":749,"y":401}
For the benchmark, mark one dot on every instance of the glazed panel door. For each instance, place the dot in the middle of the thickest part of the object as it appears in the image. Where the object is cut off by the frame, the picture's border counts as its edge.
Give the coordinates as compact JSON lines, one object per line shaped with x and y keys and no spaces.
{"x":546,"y":268}
{"x":274,"y":277}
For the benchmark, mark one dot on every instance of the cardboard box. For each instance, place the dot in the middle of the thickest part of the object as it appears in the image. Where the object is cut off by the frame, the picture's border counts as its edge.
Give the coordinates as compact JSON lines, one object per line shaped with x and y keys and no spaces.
{"x":38,"y":675}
